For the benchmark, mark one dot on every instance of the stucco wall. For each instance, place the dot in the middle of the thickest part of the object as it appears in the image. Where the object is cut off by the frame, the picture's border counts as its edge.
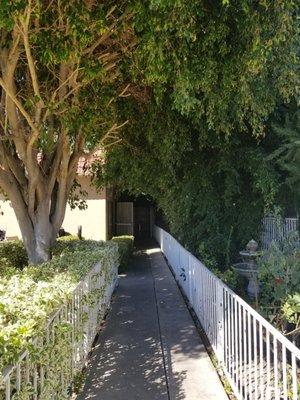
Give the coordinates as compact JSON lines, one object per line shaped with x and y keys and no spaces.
{"x":92,"y":220}
{"x":8,"y":220}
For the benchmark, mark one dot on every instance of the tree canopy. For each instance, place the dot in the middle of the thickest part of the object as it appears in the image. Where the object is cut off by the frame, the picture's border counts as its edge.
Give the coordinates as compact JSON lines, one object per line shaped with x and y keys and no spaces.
{"x":218,"y":74}
{"x":225,"y":63}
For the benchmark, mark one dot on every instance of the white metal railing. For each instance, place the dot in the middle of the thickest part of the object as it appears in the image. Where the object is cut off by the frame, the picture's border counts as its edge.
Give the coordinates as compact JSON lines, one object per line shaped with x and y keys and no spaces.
{"x":259,"y":362}
{"x":275,"y":230}
{"x":50,"y":378}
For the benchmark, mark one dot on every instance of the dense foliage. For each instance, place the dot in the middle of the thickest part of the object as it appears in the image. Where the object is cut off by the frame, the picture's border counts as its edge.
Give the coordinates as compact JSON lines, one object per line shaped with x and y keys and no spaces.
{"x":225,"y":63}
{"x":199,"y":138}
{"x":286,"y":155}
{"x":12,"y":254}
{"x":213,"y":191}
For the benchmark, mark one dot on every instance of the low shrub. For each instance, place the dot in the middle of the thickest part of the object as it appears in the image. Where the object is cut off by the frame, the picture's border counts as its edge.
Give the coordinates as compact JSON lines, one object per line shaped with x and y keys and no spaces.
{"x":232,"y":280}
{"x":279,"y":277}
{"x":72,"y":243}
{"x":125,"y":246}
{"x":29,"y":296}
{"x":12,"y":255}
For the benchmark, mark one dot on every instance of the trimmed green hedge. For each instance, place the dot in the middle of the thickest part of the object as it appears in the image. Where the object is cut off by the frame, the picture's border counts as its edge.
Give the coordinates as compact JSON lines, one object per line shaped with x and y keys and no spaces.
{"x":29,"y":296}
{"x":125,"y":246}
{"x":13,"y":255}
{"x":72,"y":243}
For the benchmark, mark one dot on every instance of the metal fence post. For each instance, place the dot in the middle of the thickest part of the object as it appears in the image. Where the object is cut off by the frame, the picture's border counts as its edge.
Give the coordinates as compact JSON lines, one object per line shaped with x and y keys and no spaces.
{"x":220,"y":322}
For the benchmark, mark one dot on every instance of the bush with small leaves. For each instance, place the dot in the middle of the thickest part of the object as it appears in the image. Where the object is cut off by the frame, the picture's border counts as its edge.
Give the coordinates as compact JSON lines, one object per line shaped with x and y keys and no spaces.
{"x":13,"y":254}
{"x":30,"y":296}
{"x":125,"y":247}
{"x":279,"y":276}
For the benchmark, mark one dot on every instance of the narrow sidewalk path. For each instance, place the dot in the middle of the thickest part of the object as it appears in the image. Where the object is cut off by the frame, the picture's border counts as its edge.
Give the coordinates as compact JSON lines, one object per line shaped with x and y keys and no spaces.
{"x":149,"y":348}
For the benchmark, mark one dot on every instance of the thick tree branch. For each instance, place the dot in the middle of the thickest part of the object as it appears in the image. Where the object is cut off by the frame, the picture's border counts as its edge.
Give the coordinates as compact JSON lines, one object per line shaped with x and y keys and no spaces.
{"x":9,"y":60}
{"x":110,"y":30}
{"x":31,"y":64}
{"x":55,"y":167}
{"x":20,"y":108}
{"x":60,"y":89}
{"x":13,"y":164}
{"x":10,"y":186}
{"x":99,"y":41}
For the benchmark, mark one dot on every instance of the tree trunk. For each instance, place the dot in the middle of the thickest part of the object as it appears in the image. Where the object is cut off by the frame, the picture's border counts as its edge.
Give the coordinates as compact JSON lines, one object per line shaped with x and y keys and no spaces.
{"x":39,"y":248}
{"x":37,"y":237}
{"x":39,"y":232}
{"x":40,"y":205}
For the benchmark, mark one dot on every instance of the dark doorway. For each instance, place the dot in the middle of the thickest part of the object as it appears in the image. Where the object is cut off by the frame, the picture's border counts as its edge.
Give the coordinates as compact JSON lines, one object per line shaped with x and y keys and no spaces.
{"x":142,"y":223}
{"x":142,"y":217}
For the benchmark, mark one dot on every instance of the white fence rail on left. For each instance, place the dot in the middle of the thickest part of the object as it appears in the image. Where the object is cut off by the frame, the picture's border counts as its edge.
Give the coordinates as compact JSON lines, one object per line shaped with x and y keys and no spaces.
{"x":69,"y":333}
{"x":258,"y":361}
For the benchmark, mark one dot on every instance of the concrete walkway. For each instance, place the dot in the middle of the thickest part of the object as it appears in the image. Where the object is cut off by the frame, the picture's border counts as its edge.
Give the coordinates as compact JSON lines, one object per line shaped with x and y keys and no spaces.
{"x":149,"y":348}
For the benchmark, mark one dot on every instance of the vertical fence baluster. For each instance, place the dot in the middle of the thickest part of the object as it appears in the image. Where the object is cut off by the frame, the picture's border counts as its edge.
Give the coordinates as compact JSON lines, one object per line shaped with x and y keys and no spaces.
{"x":250,"y":355}
{"x":203,"y":301}
{"x":268,"y":393}
{"x":7,"y":388}
{"x":220,"y":322}
{"x":42,"y":370}
{"x":261,"y":361}
{"x":245,"y":353}
{"x":235,"y":333}
{"x":211,"y":317}
{"x":294,"y":378}
{"x":226,"y":329}
{"x":240,"y":350}
{"x":231,"y":344}
{"x":18,"y":377}
{"x":284,"y":375}
{"x":255,"y":350}
{"x":275,"y":363}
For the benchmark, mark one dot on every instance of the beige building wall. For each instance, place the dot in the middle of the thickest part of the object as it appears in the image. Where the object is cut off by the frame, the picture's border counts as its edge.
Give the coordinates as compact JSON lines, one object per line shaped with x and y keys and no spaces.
{"x":93,"y":220}
{"x":8,"y":220}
